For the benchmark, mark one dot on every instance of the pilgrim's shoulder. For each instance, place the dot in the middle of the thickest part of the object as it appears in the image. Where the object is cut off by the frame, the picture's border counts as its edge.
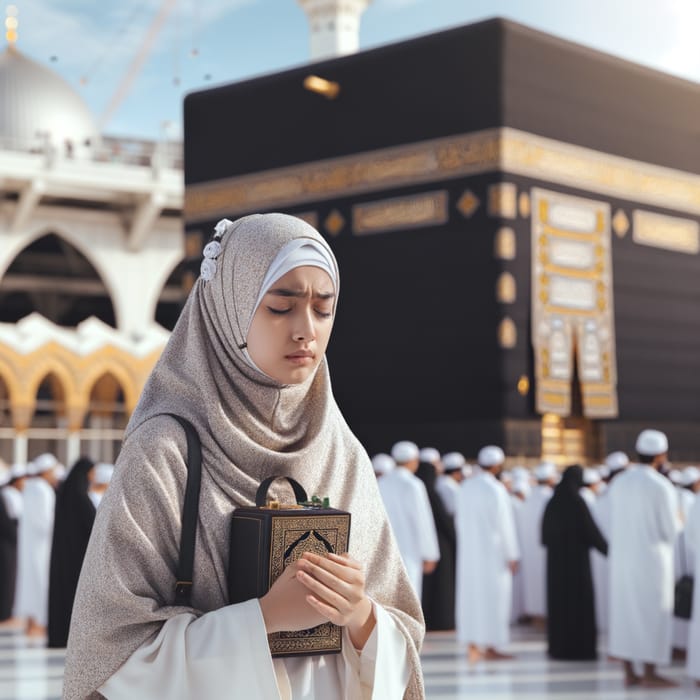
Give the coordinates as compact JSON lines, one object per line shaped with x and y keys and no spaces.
{"x":157,"y":447}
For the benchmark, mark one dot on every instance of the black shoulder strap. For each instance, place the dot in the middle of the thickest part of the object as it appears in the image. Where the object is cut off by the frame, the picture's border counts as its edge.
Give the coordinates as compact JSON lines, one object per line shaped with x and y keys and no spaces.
{"x":190,"y":511}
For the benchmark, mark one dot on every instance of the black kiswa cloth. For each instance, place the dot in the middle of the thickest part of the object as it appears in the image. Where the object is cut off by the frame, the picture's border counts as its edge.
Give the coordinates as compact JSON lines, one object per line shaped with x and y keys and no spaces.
{"x":266,"y":539}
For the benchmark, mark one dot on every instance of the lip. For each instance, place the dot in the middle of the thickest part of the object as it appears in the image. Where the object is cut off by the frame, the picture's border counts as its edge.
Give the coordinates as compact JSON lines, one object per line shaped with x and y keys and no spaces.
{"x":303,"y":357}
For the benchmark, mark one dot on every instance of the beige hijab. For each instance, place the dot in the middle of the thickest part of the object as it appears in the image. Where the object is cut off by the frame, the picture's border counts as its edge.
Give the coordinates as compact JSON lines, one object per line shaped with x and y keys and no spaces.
{"x":250,"y":427}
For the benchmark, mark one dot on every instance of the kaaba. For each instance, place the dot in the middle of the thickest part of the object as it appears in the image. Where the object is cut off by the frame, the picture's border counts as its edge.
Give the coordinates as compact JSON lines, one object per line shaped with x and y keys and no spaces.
{"x":516,"y":219}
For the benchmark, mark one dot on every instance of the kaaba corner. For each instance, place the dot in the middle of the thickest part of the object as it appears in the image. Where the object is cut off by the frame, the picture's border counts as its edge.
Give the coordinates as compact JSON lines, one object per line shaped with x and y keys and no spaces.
{"x":516,"y":220}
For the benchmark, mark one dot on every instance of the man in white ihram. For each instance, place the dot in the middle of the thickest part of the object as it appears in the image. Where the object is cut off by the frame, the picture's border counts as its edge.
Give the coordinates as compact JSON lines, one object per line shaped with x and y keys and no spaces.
{"x":534,"y":556}
{"x":643,"y":525}
{"x":34,"y":545}
{"x":411,"y":517}
{"x":487,"y":558}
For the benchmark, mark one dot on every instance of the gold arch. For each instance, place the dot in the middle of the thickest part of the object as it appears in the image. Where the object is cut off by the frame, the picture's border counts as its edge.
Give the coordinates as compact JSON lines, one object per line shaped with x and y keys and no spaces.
{"x":119,"y":372}
{"x":77,"y":373}
{"x":10,"y":380}
{"x":50,"y":365}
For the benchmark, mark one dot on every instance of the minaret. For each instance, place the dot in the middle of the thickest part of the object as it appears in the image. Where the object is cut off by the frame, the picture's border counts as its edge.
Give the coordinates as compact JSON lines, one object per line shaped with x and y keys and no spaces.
{"x":11,"y":24}
{"x":335,"y":26}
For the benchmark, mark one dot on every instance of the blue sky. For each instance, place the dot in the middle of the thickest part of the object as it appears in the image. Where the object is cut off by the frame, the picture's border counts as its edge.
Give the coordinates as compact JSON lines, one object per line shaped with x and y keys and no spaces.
{"x":207,"y":42}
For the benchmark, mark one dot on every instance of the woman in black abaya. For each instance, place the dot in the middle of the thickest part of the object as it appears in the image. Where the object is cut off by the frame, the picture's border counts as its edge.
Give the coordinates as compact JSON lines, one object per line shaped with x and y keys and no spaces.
{"x":568,"y":533}
{"x":439,"y":586}
{"x":75,"y":515}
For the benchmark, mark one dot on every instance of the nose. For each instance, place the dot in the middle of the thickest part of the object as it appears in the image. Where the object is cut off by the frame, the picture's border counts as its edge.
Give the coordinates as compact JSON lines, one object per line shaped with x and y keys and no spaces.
{"x":304,"y":328}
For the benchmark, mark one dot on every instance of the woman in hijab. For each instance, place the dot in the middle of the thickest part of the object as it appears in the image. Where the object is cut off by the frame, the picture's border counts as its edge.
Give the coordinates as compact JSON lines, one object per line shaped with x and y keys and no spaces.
{"x":568,"y":533}
{"x":438,"y":597}
{"x":245,"y":365}
{"x":73,"y":520}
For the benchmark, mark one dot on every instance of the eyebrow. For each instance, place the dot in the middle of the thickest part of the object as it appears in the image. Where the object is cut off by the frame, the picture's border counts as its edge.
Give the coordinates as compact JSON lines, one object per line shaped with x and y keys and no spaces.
{"x":281,"y":292}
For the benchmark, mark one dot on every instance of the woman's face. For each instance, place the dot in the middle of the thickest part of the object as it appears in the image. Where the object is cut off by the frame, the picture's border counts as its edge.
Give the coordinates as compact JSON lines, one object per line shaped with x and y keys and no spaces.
{"x":292,"y":325}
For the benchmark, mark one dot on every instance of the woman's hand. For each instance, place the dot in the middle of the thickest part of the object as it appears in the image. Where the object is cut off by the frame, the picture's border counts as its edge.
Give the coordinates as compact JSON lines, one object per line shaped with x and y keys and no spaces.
{"x":285,"y":607}
{"x":336,"y":590}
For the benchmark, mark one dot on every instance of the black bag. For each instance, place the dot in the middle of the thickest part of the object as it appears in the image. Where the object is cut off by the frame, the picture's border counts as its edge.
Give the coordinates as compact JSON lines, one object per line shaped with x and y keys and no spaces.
{"x":263,"y":541}
{"x":683,"y":597}
{"x":266,"y":538}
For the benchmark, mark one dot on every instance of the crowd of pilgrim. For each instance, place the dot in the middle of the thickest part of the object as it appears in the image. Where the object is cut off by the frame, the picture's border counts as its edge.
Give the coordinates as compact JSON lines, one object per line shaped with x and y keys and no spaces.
{"x":46,"y":517}
{"x":575,"y":552}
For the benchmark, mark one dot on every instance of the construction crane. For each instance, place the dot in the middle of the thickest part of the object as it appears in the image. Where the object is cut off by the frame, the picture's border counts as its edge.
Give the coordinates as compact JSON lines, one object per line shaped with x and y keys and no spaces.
{"x":137,"y":62}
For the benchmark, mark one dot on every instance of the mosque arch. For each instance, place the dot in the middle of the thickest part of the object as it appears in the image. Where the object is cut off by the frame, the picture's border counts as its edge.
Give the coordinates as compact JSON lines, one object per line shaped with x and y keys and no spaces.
{"x":98,"y":382}
{"x":106,"y":414}
{"x":53,"y":276}
{"x":172,"y":296}
{"x":50,"y":400}
{"x":8,"y":380}
{"x":61,"y":382}
{"x":5,"y":401}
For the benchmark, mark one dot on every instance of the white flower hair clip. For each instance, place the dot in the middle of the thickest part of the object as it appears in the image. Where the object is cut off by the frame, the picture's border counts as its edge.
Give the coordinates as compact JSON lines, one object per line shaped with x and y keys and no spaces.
{"x":212,"y":250}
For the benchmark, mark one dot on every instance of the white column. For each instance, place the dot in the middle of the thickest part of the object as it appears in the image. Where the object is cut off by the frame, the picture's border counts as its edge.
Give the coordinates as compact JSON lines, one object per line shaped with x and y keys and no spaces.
{"x":72,"y":449}
{"x":20,"y":448}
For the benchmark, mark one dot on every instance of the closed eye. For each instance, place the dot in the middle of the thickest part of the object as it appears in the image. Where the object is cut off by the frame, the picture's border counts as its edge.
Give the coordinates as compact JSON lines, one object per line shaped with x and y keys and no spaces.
{"x":279,"y":312}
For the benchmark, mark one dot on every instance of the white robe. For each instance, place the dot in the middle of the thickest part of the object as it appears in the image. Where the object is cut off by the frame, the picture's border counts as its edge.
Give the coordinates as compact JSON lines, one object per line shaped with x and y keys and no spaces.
{"x":411,"y":517}
{"x":588,"y":496}
{"x":34,"y":551}
{"x":486,"y":542}
{"x":448,"y":489}
{"x":692,"y":532}
{"x":517,"y":609}
{"x":682,"y":564}
{"x":643,"y":526}
{"x":600,"y":570}
{"x":225,"y":652}
{"x":13,"y":502}
{"x":534,"y":556}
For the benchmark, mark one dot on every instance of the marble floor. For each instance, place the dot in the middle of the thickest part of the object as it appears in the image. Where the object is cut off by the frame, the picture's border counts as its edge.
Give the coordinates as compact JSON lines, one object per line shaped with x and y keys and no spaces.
{"x":33,"y":673}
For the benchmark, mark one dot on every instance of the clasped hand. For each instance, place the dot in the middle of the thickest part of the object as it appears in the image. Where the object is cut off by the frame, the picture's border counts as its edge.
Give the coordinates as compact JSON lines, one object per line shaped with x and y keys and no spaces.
{"x":314,"y":590}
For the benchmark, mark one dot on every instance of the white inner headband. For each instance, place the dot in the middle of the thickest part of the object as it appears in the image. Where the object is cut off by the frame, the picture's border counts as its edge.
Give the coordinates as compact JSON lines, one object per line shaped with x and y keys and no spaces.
{"x":297,"y":253}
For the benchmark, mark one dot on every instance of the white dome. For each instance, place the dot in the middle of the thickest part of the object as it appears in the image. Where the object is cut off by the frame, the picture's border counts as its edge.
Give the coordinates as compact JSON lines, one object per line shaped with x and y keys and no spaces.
{"x":36,"y":104}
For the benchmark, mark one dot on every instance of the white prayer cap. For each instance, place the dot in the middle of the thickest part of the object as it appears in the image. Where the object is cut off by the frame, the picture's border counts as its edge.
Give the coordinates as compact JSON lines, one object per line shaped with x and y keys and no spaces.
{"x":18,"y":470}
{"x":382,"y":463}
{"x":604,"y":471}
{"x":405,"y":451}
{"x":453,"y":461}
{"x":675,"y":476}
{"x":60,"y":471}
{"x":590,"y":476}
{"x":651,"y":443}
{"x":103,"y":473}
{"x":691,"y":475}
{"x":43,"y":463}
{"x":617,"y":460}
{"x":545,"y":471}
{"x":491,"y":456}
{"x":429,"y":454}
{"x":519,"y":472}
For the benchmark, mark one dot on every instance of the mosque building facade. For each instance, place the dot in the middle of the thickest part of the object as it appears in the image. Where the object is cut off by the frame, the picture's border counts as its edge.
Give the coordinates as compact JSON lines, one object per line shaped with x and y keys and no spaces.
{"x":90,"y":276}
